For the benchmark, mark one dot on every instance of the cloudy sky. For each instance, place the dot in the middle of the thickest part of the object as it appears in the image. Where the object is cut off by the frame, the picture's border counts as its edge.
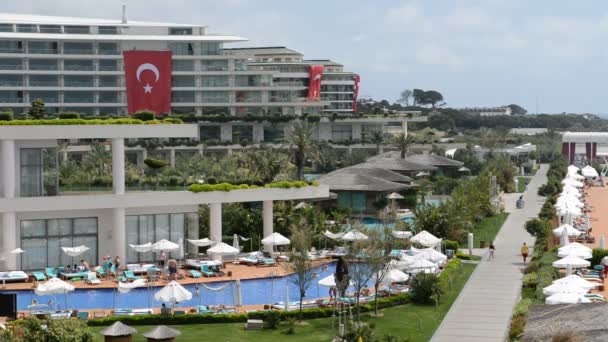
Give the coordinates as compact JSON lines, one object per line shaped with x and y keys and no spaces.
{"x":475,"y":52}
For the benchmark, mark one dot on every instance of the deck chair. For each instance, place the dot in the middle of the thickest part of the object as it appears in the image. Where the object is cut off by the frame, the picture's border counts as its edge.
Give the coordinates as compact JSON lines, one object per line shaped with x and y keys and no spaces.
{"x":39,"y":276}
{"x":268,"y":261}
{"x":50,"y":272}
{"x":206,"y":271}
{"x":92,"y":278}
{"x":82,"y":315}
{"x":217,"y":271}
{"x":130,"y":276}
{"x":194,"y":274}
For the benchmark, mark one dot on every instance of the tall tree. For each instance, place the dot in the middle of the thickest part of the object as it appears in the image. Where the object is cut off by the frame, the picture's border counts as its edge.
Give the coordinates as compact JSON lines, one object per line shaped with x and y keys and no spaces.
{"x":37,"y":111}
{"x":402,"y":142}
{"x":299,"y":261}
{"x":433,"y":98}
{"x":419,"y":97}
{"x":406,"y":95}
{"x":517,"y":109}
{"x":300,"y":139}
{"x":377,"y":138}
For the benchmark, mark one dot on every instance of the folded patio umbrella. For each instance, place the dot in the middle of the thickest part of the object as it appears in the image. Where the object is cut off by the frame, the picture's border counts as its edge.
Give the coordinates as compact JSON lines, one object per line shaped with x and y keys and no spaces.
{"x":571,"y":231}
{"x":146,"y":247}
{"x":173,"y":293}
{"x":202,"y":242}
{"x":402,"y":234}
{"x":53,"y":286}
{"x":575,"y":249}
{"x":75,"y":251}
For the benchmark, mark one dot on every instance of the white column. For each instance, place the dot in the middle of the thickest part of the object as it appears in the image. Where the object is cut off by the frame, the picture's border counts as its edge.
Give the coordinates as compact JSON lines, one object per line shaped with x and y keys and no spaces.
{"x":267,"y":222}
{"x":119,"y":235}
{"x":9,"y":237}
{"x":215,"y":225}
{"x":172,"y":157}
{"x":404,"y":125}
{"x":118,"y":165}
{"x":8,"y":168}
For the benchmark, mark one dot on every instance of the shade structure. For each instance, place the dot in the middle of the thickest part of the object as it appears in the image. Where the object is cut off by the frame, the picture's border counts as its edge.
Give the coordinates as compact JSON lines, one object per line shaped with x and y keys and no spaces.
{"x":400,"y":264}
{"x":566,"y":298}
{"x":118,"y":329}
{"x":418,"y":264}
{"x":235,"y":242}
{"x":126,"y":287}
{"x":354,"y":235}
{"x":173,"y":293}
{"x":75,"y":251}
{"x":334,"y":236}
{"x":53,"y":286}
{"x":564,"y":288}
{"x":589,"y":171}
{"x":575,"y":249}
{"x":164,"y":245}
{"x":302,"y":205}
{"x":222,"y":248}
{"x":431,"y":255}
{"x":394,"y":196}
{"x":571,"y":231}
{"x":464,"y":169}
{"x":573,"y":182}
{"x":143,"y":248}
{"x":576,"y":280}
{"x":573,"y":169}
{"x":202,"y":242}
{"x":394,"y":276}
{"x":402,"y":234}
{"x":275,"y":239}
{"x":423,"y":174}
{"x":162,"y":332}
{"x":17,"y":251}
{"x":571,"y":211}
{"x":426,"y":239}
{"x":572,"y":261}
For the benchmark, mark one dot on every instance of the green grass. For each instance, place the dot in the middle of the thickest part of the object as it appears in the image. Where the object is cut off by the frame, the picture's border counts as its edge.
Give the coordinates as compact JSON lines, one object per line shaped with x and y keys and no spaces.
{"x":404,"y":321}
{"x":487,"y":229}
{"x":522,"y":183}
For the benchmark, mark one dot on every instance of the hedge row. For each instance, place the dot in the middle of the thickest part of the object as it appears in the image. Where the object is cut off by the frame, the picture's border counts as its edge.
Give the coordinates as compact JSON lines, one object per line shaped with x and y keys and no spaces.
{"x":229,"y":187}
{"x":121,"y":121}
{"x":241,"y":318}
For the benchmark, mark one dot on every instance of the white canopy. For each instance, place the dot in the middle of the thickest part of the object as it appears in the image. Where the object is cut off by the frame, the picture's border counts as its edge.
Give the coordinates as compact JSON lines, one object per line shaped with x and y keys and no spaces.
{"x":431,"y":255}
{"x":222,"y":248}
{"x":571,"y":231}
{"x":275,"y":239}
{"x":394,"y":196}
{"x":426,"y":239}
{"x":572,"y":261}
{"x":577,"y":281}
{"x":126,"y":287}
{"x":75,"y":251}
{"x":589,"y":171}
{"x":354,"y":235}
{"x":400,"y":264}
{"x":146,"y":247}
{"x":53,"y":286}
{"x":563,"y":288}
{"x":572,"y":169}
{"x":334,"y":236}
{"x":330,"y":281}
{"x":172,"y":293}
{"x":575,"y":249}
{"x":421,"y":264}
{"x":202,"y":242}
{"x":394,"y":276}
{"x":402,"y":234}
{"x":566,"y":298}
{"x":573,"y":182}
{"x":164,"y":245}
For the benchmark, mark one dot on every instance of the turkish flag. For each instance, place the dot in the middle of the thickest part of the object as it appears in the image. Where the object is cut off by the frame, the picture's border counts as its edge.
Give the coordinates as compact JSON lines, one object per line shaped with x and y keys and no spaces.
{"x":314,"y":83}
{"x":148,"y":78}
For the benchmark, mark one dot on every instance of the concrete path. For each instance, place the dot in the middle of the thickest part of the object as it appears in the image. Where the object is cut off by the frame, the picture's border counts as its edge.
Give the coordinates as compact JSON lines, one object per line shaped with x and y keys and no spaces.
{"x":482,"y":311}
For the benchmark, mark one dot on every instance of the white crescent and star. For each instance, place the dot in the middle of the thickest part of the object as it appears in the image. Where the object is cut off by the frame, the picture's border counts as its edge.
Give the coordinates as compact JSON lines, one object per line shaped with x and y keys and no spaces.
{"x":148,"y":66}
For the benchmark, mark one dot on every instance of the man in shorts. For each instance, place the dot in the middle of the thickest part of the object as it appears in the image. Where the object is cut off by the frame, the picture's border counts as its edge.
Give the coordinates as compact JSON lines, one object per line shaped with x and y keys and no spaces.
{"x":524,"y":251}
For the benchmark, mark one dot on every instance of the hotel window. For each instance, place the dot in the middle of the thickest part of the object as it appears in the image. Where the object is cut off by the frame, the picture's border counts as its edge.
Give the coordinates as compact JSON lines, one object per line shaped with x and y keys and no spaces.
{"x":215,"y":81}
{"x":341,"y":132}
{"x":214,"y":65}
{"x":183,"y":49}
{"x":208,"y":133}
{"x":78,"y":65}
{"x":107,"y":30}
{"x":43,"y":239}
{"x":211,"y":49}
{"x":26,"y":28}
{"x":42,"y":47}
{"x":150,"y":228}
{"x":6,"y":27}
{"x":78,"y":81}
{"x":78,"y":48}
{"x":181,"y":65}
{"x":242,"y":133}
{"x":108,"y":65}
{"x":183,"y":81}
{"x":215,"y":97}
{"x":43,"y":64}
{"x":108,"y":81}
{"x":50,"y":29}
{"x":180,"y":31}
{"x":182,"y":96}
{"x":11,"y":46}
{"x":108,"y":97}
{"x":107,"y":49}
{"x":11,"y":64}
{"x":11,"y":80}
{"x":78,"y":97}
{"x":74,"y":29}
{"x":38,"y":168}
{"x":11,"y":96}
{"x":46,"y":96}
{"x":44,"y":80}
{"x":273,"y":133}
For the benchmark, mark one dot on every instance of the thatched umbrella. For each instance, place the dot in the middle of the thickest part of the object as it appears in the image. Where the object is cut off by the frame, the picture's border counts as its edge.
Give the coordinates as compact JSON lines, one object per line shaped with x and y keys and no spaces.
{"x":162,"y":333}
{"x":118,"y":332}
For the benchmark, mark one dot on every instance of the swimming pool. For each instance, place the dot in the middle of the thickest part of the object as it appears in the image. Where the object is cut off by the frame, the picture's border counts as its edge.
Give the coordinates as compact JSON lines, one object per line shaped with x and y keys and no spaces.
{"x":374,"y":223}
{"x":254,"y":291}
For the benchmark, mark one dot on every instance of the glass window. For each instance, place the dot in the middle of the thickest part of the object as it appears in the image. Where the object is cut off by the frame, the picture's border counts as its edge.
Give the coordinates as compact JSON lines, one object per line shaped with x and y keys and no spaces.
{"x":214,"y":65}
{"x":131,"y":227}
{"x":108,"y":48}
{"x":78,"y":48}
{"x":42,"y":47}
{"x":215,"y":96}
{"x":183,"y":81}
{"x":182,"y":49}
{"x":77,"y":81}
{"x":274,"y":133}
{"x":162,"y":227}
{"x":182,"y":96}
{"x":32,"y":228}
{"x":35,"y":258}
{"x":183,"y":65}
{"x":85,"y":226}
{"x":46,"y":96}
{"x":108,"y":81}
{"x":11,"y":80}
{"x":177,"y":230}
{"x":248,"y":96}
{"x":242,"y":133}
{"x":108,"y":97}
{"x":108,"y":30}
{"x":108,"y":65}
{"x":59,"y":227}
{"x":76,"y":29}
{"x":11,"y":64}
{"x":50,"y":29}
{"x":31,"y":172}
{"x":78,"y":65}
{"x":78,"y":97}
{"x":11,"y":46}
{"x":44,"y":80}
{"x":215,"y":81}
{"x":341,"y":132}
{"x":28,"y":28}
{"x":150,"y":228}
{"x":180,"y":31}
{"x":6,"y":27}
{"x":43,"y":64}
{"x":211,"y":48}
{"x":208,"y":133}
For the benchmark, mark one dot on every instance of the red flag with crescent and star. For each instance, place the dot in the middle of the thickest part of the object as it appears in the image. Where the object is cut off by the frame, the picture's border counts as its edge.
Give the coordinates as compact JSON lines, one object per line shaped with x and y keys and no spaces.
{"x":314,"y":83}
{"x":148,"y":80}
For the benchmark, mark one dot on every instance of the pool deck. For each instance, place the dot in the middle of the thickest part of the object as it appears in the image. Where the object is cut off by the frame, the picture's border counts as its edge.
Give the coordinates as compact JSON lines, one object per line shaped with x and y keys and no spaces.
{"x":241,"y":272}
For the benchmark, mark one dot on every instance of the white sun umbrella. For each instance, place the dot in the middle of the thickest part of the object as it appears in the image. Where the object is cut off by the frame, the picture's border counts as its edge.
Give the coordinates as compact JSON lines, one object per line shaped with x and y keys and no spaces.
{"x":143,"y":248}
{"x":334,"y":236}
{"x":571,"y":231}
{"x":572,"y":261}
{"x":426,"y":239}
{"x":222,"y":248}
{"x":602,"y":242}
{"x":566,"y":298}
{"x":180,"y":250}
{"x":16,"y":251}
{"x":201,"y":242}
{"x":173,"y":293}
{"x":418,"y":264}
{"x":401,"y":234}
{"x":53,"y":287}
{"x":328,"y":281}
{"x":575,"y":249}
{"x":164,"y":245}
{"x":573,"y":169}
{"x":394,"y":196}
{"x":576,"y":280}
{"x":589,"y":171}
{"x":563,"y":288}
{"x":394,"y":276}
{"x":573,"y":182}
{"x":275,"y":239}
{"x":431,"y":255}
{"x":235,"y":242}
{"x":354,"y":235}
{"x":569,"y":200}
{"x":400,"y":264}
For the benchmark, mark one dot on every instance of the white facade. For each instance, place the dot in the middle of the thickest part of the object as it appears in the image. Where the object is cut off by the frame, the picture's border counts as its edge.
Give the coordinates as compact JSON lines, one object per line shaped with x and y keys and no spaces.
{"x":75,"y":64}
{"x":40,"y":221}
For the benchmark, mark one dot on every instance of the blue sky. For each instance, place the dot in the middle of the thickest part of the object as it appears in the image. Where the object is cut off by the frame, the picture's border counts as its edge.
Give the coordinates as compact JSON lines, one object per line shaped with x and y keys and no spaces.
{"x":476,"y":52}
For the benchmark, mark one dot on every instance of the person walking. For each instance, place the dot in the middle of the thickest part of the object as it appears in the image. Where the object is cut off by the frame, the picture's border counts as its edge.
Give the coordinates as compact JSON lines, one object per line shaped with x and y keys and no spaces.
{"x":492,"y":249}
{"x":163,"y":257}
{"x":524,"y":252}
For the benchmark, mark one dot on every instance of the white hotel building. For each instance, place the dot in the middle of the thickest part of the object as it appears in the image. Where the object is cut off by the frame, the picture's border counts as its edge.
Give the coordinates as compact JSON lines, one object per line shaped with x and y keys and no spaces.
{"x":39,"y":219}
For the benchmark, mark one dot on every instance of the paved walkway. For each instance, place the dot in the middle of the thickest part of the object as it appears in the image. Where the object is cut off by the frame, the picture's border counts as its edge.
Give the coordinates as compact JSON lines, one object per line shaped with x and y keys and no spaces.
{"x":482,"y":311}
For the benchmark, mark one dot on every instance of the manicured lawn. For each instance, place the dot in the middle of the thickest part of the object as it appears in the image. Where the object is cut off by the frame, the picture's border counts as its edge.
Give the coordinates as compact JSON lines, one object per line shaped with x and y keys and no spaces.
{"x":487,"y":229}
{"x":406,"y":321}
{"x":522,"y":183}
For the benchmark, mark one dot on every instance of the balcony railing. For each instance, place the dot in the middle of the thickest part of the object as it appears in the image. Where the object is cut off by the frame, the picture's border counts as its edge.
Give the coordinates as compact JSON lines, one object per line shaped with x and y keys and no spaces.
{"x":7,"y":83}
{"x":183,"y":68}
{"x":249,"y":99}
{"x":108,"y":68}
{"x":78,"y":83}
{"x":215,"y":84}
{"x":43,"y":83}
{"x":183,"y":99}
{"x":108,"y":99}
{"x":69,"y":99}
{"x":78,"y":68}
{"x":49,"y":67}
{"x":11,"y":50}
{"x":213,"y":68}
{"x":43,"y":51}
{"x":11,"y":67}
{"x":10,"y":99}
{"x":182,"y":84}
{"x":215,"y":100}
{"x":45,"y":99}
{"x":78,"y":51}
{"x":108,"y":52}
{"x":289,"y":84}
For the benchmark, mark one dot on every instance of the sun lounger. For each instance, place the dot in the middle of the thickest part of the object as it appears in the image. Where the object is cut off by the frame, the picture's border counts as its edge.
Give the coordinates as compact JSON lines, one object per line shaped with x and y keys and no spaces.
{"x":82,"y":315}
{"x":216,"y":269}
{"x":92,"y":278}
{"x":122,"y":312}
{"x":202,"y":309}
{"x":194,"y":274}
{"x":206,"y":271}
{"x":130,"y":276}
{"x":267,"y":262}
{"x":50,"y":272}
{"x":13,"y":276}
{"x":248,"y":260}
{"x":61,"y":314}
{"x":39,"y":276}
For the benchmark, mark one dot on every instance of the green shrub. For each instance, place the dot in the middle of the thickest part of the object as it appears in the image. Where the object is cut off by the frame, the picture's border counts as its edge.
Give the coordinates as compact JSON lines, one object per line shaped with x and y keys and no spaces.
{"x":212,"y":180}
{"x":597,"y":256}
{"x":144,"y":115}
{"x":521,"y":308}
{"x":423,"y":287}
{"x":528,"y":292}
{"x":272,"y":319}
{"x":518,"y":323}
{"x":463,"y":256}
{"x":61,"y":122}
{"x":64,"y":330}
{"x":290,"y":324}
{"x":155,"y":163}
{"x":531,"y":279}
{"x":538,"y":228}
{"x":6,"y":116}
{"x":69,"y":115}
{"x":453,"y":245}
{"x":229,"y":187}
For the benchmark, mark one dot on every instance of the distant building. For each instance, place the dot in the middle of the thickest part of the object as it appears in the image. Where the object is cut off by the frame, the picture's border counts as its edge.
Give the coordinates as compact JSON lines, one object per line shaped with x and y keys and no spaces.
{"x":529,"y":131}
{"x":488,"y":111}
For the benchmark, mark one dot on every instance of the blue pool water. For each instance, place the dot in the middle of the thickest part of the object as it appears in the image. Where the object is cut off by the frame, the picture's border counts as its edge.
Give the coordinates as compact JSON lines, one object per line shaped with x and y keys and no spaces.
{"x":255,"y":291}
{"x":374,"y":223}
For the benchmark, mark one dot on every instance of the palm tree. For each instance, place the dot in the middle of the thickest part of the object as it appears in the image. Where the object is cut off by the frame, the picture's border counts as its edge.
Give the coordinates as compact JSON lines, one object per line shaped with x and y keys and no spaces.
{"x":402,"y":142}
{"x":300,"y":139}
{"x":377,"y":137}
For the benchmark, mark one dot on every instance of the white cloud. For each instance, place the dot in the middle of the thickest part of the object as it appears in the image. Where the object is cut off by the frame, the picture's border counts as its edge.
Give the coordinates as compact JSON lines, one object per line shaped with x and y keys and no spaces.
{"x":432,"y":54}
{"x":408,"y":13}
